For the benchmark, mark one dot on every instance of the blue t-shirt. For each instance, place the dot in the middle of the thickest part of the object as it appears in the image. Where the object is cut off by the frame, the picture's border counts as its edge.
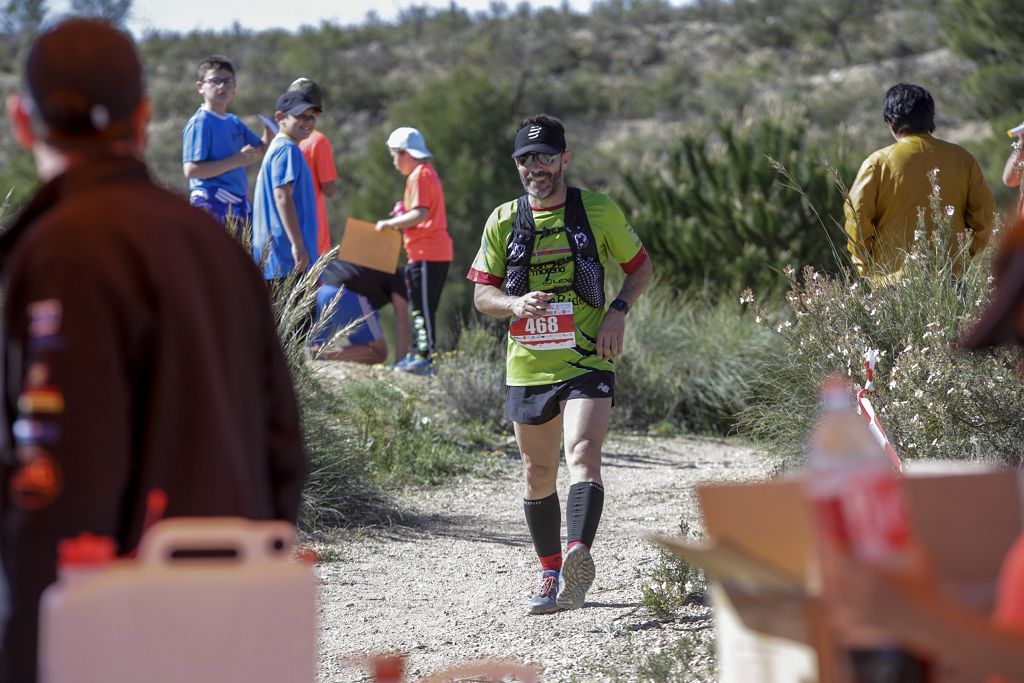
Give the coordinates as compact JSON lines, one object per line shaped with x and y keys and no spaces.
{"x":282,"y":164}
{"x":209,"y":137}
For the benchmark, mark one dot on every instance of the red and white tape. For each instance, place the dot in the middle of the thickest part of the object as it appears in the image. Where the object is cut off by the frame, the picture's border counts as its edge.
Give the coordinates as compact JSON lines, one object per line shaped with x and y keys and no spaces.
{"x":868,"y":411}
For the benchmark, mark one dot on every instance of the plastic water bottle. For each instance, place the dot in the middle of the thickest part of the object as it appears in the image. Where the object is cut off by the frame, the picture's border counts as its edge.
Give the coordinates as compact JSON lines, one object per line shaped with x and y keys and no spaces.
{"x":859,"y":509}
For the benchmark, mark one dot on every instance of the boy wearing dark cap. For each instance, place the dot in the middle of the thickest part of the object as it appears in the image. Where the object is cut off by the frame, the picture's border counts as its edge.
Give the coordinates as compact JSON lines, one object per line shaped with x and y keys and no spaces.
{"x":140,"y":359}
{"x":216,"y":146}
{"x":320,"y":157}
{"x":284,"y":230}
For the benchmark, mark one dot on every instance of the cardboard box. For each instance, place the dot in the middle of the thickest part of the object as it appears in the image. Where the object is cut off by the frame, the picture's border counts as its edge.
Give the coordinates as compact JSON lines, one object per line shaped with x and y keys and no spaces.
{"x":771,"y":627}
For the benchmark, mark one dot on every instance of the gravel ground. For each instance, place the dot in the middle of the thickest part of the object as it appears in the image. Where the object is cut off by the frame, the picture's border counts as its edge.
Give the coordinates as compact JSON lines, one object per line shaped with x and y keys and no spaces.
{"x":449,"y":584}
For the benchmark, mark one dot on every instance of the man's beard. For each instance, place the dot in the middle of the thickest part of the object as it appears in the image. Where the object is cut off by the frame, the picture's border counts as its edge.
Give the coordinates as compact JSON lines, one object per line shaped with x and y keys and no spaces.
{"x":545,"y":191}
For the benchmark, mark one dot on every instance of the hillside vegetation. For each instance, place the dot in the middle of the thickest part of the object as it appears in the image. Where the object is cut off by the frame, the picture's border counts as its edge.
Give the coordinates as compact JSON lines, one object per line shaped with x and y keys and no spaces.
{"x":629,"y":79}
{"x":679,"y":112}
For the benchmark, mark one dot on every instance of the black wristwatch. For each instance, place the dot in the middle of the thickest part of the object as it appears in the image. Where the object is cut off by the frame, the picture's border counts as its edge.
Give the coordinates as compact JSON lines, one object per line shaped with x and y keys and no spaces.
{"x":619,"y":305}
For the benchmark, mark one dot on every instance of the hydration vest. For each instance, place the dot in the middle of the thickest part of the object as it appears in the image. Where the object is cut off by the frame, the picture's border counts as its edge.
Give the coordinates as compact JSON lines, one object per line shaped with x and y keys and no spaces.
{"x":588,"y":273}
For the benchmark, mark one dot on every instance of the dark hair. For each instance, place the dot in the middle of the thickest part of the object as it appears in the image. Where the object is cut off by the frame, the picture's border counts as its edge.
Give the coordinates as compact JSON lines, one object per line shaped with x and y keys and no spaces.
{"x":215,"y":62}
{"x":545,"y":120}
{"x":909,"y":109}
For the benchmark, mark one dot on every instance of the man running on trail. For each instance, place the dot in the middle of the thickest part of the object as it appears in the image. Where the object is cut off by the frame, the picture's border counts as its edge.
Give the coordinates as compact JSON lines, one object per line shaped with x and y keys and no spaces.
{"x":541,"y":262}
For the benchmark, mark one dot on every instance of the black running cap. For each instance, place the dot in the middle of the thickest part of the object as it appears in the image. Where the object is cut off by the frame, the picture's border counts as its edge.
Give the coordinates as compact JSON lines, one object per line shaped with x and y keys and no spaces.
{"x":295,"y":102}
{"x":82,"y":77}
{"x":536,"y":137}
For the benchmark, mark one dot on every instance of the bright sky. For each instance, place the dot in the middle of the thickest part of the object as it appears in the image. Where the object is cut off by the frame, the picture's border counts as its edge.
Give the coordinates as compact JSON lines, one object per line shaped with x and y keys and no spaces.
{"x":185,"y":15}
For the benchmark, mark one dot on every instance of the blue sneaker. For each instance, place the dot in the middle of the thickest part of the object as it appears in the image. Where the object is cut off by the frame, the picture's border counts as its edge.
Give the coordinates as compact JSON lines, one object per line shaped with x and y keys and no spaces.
{"x":576,"y":577}
{"x":418,"y":365}
{"x":543,"y":602}
{"x":400,"y":365}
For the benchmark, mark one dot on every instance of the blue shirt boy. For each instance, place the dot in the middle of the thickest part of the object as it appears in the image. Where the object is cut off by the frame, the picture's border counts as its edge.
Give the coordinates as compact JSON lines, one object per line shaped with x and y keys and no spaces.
{"x":283,"y":164}
{"x":209,"y":136}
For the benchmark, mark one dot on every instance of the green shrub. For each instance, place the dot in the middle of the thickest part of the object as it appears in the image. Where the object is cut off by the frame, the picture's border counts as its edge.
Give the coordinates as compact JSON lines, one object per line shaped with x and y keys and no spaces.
{"x":340,"y":490}
{"x":934,"y":401}
{"x":472,"y":377}
{"x":401,"y":440}
{"x":714,"y":214}
{"x":673,"y":584}
{"x":688,"y":361}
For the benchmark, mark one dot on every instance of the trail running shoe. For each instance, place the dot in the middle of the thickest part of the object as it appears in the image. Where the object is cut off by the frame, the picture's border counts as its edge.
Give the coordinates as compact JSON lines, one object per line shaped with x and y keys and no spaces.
{"x":576,"y":577}
{"x":544,"y":601}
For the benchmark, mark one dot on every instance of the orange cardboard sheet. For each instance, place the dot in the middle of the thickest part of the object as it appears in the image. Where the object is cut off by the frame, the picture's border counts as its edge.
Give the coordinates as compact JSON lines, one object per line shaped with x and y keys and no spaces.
{"x":363,"y":245}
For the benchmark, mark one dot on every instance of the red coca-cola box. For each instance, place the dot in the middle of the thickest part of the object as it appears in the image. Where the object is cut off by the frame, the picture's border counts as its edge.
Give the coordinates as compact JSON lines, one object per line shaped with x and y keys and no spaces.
{"x":771,"y":625}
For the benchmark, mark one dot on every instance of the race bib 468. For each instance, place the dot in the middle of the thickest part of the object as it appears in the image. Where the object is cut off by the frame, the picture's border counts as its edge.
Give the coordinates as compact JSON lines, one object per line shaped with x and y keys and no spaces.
{"x":556,"y":330}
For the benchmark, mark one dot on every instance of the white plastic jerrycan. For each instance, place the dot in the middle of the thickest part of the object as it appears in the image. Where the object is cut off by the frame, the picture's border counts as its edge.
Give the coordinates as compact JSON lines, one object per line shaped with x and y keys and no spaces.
{"x":207,"y":600}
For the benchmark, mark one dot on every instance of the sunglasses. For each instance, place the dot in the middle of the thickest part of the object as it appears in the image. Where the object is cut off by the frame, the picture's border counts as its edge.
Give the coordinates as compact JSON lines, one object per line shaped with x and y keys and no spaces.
{"x":525,"y":160}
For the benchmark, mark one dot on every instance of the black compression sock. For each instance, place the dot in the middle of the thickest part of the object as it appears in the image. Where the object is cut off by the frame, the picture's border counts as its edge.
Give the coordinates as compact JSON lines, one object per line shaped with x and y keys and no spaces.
{"x":583,"y":511}
{"x":544,"y":519}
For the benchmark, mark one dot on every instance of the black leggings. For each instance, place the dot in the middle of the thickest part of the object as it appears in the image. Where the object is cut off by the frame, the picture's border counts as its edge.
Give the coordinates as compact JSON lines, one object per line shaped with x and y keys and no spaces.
{"x":424,"y":280}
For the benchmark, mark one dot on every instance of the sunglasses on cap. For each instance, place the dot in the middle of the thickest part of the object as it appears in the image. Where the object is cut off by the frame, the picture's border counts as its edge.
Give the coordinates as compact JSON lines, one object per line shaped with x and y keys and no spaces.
{"x":525,"y":160}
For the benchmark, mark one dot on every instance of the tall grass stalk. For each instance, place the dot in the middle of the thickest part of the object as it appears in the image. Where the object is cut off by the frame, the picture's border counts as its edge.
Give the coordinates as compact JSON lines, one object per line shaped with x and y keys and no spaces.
{"x":340,"y":490}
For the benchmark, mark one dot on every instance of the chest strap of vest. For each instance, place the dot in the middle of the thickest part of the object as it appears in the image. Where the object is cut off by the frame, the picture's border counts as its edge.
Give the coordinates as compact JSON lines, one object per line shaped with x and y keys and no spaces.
{"x":588,"y":273}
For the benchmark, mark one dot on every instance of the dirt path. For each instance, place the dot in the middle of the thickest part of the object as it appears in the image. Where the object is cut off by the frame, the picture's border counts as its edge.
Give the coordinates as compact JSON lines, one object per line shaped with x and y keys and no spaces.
{"x":450,"y":586}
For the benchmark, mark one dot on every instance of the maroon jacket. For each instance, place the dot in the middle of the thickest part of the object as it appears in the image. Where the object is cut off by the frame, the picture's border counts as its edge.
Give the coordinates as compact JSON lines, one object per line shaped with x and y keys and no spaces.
{"x":139,"y":353}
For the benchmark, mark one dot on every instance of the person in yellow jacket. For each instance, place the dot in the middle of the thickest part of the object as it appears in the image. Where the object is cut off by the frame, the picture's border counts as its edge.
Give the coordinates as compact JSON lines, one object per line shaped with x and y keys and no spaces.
{"x":893,"y":184}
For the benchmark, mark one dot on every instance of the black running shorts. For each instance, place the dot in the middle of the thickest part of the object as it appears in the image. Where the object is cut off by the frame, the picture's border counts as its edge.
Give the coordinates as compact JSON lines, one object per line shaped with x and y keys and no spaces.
{"x":537,"y":404}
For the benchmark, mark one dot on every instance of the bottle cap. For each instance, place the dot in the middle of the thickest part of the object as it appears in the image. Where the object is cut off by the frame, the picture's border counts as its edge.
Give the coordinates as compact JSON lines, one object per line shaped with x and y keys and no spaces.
{"x":85,"y":550}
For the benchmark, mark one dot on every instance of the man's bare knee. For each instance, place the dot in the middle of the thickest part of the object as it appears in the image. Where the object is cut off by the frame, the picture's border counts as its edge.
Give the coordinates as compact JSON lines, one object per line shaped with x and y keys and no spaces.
{"x":584,"y":450}
{"x":539,"y":474}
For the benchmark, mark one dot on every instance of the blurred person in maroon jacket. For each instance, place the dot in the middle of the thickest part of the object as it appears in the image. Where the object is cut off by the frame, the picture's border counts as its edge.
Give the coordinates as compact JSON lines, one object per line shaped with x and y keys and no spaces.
{"x":140,"y":357}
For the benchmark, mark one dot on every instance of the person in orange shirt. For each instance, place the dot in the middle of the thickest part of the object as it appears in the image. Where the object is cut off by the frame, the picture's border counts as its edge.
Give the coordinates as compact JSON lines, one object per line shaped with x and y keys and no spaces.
{"x":423,"y":221}
{"x":320,"y":157}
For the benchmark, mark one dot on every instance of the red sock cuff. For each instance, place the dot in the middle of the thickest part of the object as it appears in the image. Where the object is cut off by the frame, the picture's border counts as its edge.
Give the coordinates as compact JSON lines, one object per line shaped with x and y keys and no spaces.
{"x":574,"y":543}
{"x":552,"y":562}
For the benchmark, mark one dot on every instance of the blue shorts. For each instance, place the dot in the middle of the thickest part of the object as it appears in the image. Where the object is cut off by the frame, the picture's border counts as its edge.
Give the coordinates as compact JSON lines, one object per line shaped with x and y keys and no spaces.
{"x":241,"y":211}
{"x":349,"y":308}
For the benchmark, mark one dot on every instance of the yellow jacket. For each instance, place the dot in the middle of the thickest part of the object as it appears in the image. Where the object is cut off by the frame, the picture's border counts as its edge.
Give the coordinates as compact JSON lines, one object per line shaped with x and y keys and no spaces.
{"x":893,"y":182}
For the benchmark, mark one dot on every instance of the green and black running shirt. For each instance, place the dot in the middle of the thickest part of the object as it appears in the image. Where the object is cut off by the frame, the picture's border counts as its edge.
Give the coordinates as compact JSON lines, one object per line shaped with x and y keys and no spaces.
{"x":616,"y":241}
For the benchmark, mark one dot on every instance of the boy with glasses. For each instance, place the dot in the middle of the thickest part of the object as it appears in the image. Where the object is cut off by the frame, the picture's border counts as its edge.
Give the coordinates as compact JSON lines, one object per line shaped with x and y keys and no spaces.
{"x":217,"y":146}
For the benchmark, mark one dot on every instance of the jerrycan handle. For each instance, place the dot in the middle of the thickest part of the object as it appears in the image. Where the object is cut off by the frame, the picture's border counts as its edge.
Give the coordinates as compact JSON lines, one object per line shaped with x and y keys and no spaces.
{"x":216,"y":539}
